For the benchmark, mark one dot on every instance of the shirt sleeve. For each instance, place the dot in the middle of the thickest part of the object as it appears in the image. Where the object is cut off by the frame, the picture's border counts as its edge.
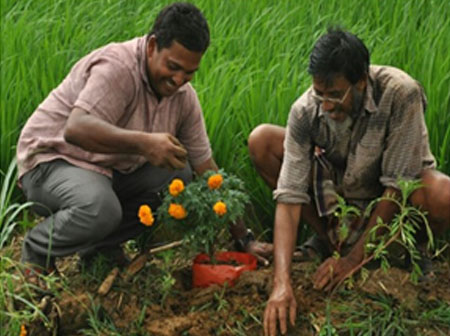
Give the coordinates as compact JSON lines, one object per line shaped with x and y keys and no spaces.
{"x":402,"y":157}
{"x":108,"y":91}
{"x":293,"y":182}
{"x":192,"y":130}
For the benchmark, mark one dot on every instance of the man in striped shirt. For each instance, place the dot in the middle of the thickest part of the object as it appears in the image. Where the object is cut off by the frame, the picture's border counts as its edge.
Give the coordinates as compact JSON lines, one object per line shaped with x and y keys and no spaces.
{"x":353,"y":133}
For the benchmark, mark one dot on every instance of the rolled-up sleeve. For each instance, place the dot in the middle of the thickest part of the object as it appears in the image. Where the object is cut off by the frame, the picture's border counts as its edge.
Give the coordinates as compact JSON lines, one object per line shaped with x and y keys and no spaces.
{"x":402,"y":157}
{"x":108,"y":91}
{"x":293,"y":182}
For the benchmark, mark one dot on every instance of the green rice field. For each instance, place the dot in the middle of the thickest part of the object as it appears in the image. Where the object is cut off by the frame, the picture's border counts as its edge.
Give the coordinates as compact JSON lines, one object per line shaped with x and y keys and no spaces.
{"x":253,"y":71}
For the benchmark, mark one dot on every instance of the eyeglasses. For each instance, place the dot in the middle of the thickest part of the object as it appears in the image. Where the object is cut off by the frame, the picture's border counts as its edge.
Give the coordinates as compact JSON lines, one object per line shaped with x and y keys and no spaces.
{"x":338,"y":101}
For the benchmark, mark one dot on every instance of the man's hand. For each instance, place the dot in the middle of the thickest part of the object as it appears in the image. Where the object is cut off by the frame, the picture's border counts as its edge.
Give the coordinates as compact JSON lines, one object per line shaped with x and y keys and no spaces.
{"x":260,"y":250}
{"x":164,"y":150}
{"x":281,"y":304}
{"x":332,"y":272}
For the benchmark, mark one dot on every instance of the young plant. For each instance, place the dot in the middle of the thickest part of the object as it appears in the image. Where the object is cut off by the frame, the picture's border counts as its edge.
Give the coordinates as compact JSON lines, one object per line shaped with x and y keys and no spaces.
{"x":166,"y":281}
{"x":401,"y":230}
{"x":203,"y":209}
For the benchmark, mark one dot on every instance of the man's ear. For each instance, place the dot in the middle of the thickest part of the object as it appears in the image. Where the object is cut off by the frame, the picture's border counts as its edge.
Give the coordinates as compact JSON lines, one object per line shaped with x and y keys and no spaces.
{"x":362,"y":83}
{"x":151,"y":45}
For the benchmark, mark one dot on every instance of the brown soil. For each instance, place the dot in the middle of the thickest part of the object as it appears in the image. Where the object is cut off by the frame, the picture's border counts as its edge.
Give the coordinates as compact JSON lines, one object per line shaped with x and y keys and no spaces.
{"x":134,"y":306}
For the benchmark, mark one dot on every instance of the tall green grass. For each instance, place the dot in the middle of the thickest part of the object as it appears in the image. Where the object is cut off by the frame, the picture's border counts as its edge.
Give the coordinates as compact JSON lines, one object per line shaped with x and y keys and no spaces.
{"x":251,"y":74}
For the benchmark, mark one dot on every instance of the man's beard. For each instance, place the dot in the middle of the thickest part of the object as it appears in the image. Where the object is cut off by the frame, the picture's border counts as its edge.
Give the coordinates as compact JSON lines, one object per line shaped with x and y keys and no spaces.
{"x":342,"y":127}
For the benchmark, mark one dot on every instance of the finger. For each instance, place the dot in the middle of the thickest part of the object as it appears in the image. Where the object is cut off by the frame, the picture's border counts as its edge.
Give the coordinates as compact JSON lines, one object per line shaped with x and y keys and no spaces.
{"x":180,"y":152}
{"x":174,"y":140}
{"x":270,"y":321}
{"x":266,"y":321}
{"x":293,"y":312}
{"x":282,"y":319}
{"x":322,"y":270}
{"x":330,"y":285}
{"x":175,"y":163}
{"x":322,"y":277}
{"x":334,"y":282}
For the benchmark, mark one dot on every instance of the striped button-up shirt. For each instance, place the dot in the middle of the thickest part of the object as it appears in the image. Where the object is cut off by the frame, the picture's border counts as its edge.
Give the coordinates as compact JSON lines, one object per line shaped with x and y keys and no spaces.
{"x":387,"y":139}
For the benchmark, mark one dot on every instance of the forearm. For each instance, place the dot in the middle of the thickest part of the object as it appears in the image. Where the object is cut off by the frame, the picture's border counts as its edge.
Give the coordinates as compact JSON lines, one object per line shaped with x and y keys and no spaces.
{"x":386,"y":210}
{"x":96,"y":135}
{"x":209,"y":164}
{"x":287,"y":217}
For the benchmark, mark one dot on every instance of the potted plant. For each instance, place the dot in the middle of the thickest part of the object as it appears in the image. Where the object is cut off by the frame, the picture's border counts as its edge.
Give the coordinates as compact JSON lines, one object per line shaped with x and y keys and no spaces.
{"x":203,"y":211}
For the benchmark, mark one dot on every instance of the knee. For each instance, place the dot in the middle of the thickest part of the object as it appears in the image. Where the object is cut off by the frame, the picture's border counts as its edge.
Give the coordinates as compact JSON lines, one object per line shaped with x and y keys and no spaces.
{"x":435,"y":198}
{"x":99,"y":216}
{"x":260,"y":142}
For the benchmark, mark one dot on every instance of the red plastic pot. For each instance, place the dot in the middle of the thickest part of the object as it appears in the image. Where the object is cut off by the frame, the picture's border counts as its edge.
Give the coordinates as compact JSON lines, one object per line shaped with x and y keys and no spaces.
{"x":205,"y":274}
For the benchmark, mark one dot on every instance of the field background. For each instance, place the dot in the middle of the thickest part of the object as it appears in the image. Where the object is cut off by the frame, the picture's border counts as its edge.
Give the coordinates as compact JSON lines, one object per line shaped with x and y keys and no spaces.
{"x":253,"y":71}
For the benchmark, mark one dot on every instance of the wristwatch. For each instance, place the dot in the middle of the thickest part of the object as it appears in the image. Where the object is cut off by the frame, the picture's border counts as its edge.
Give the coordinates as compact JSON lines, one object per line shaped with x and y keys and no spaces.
{"x":241,"y":243}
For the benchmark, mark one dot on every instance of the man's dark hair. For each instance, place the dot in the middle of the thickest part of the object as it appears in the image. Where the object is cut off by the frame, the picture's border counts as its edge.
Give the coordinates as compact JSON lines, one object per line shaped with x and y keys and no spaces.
{"x":184,"y":23}
{"x":339,"y":52}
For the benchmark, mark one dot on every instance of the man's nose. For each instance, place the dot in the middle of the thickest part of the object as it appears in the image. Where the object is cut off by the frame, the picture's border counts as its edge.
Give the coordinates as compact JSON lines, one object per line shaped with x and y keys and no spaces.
{"x":179,"y":78}
{"x":327,"y":106}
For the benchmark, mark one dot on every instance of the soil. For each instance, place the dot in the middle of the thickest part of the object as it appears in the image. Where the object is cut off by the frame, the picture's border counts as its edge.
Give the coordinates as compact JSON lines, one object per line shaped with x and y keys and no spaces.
{"x":135,"y":305}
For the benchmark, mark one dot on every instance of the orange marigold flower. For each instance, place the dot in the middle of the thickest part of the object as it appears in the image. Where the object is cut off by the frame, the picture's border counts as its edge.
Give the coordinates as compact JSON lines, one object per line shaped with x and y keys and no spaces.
{"x":220,"y":208}
{"x":176,"y":187}
{"x":215,"y":181}
{"x":177,"y":211}
{"x":145,"y":215}
{"x":23,"y":330}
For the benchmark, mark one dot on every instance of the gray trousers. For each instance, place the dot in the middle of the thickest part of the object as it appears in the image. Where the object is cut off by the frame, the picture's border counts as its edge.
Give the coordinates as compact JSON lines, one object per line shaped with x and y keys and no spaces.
{"x":85,"y":210}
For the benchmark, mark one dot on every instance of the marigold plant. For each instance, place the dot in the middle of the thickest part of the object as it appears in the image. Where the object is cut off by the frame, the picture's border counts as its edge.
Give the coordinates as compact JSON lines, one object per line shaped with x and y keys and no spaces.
{"x":176,"y":187}
{"x":177,"y":211}
{"x":215,"y":181}
{"x":204,"y":209}
{"x":145,"y":215}
{"x":220,"y":208}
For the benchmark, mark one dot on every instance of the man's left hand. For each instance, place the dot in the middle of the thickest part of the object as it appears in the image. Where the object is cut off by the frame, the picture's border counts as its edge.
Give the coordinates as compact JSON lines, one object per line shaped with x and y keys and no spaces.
{"x":260,"y":250}
{"x":332,"y":272}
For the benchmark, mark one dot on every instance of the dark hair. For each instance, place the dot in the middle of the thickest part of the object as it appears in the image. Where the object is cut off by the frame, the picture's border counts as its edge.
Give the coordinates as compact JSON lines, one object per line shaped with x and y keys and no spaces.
{"x":184,"y":23}
{"x":339,"y":52}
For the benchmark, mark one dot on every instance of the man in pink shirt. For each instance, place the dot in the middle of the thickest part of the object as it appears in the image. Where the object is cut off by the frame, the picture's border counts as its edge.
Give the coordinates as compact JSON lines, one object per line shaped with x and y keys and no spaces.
{"x":115,"y":132}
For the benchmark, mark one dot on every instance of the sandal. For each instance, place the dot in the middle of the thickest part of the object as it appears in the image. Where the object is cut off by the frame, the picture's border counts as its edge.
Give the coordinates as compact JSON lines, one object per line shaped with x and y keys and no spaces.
{"x":313,"y":249}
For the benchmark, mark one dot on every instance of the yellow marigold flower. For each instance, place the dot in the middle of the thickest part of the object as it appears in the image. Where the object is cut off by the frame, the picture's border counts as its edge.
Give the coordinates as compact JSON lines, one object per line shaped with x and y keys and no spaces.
{"x":176,"y":187}
{"x":145,"y":215}
{"x":23,"y":330}
{"x":215,"y":181}
{"x":220,"y":208}
{"x":177,"y":211}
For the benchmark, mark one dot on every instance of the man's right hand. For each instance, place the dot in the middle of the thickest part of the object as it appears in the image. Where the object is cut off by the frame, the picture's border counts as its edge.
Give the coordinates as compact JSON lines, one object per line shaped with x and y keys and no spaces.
{"x":281,"y":304}
{"x":164,"y":150}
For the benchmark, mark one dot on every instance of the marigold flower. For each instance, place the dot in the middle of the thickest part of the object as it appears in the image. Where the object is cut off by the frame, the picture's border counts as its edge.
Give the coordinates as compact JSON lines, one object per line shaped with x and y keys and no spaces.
{"x":176,"y":187}
{"x":215,"y":181}
{"x":23,"y":330}
{"x":145,"y":215}
{"x":220,"y":208}
{"x":177,"y":211}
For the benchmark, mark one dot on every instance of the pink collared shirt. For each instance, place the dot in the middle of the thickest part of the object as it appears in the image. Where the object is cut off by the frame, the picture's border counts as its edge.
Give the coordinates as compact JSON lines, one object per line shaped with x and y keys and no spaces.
{"x":111,"y":83}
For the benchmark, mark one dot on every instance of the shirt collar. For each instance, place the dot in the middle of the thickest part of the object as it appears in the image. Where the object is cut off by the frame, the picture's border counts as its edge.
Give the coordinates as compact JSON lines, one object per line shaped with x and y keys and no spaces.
{"x":369,"y":102}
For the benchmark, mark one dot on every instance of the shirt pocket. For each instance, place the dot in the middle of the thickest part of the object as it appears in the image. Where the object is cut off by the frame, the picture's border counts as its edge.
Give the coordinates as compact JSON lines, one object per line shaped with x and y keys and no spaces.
{"x":370,"y":148}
